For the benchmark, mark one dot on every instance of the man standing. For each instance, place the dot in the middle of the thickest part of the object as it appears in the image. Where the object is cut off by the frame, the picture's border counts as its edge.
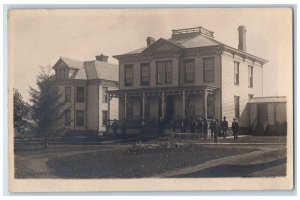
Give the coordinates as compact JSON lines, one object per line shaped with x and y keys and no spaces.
{"x":224,"y":127}
{"x":235,"y":128}
{"x":205,"y":126}
{"x":214,"y":129}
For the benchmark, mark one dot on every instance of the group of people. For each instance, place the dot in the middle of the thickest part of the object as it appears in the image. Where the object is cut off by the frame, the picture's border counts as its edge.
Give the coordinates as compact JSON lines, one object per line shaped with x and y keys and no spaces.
{"x":200,"y":126}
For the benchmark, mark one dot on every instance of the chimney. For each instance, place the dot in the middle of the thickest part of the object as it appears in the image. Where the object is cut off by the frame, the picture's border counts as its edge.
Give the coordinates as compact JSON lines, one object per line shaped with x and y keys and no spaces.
{"x":102,"y":58}
{"x":150,"y":40}
{"x":242,"y":38}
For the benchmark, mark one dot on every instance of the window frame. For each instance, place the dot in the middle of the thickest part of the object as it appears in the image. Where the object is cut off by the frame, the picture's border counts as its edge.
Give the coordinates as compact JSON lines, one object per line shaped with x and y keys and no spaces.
{"x":185,"y":70}
{"x":104,"y":94}
{"x":236,"y":73}
{"x":78,"y":99}
{"x":143,"y":66}
{"x":67,"y":117}
{"x":126,"y":68}
{"x":166,"y":71}
{"x":250,"y":76}
{"x":68,"y":100}
{"x":205,"y":70}
{"x":104,"y":119}
{"x":237,"y":107}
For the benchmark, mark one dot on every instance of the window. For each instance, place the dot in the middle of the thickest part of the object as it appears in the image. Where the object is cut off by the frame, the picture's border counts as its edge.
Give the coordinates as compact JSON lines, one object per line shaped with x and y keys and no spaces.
{"x":189,"y":71}
{"x":66,"y":73}
{"x":128,"y":75}
{"x":164,"y":72}
{"x":237,"y":106}
{"x":80,"y":94}
{"x":190,"y":108}
{"x":250,"y":96}
{"x":104,"y":117}
{"x":104,"y":95}
{"x":210,"y":106}
{"x":145,"y":74}
{"x":67,"y":94}
{"x":236,"y":73}
{"x":67,"y":117}
{"x":208,"y":69}
{"x":250,"y":76}
{"x":79,"y":117}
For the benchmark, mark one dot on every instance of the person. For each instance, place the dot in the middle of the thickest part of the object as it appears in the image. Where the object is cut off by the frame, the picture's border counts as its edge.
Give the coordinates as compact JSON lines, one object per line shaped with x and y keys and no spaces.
{"x":161,"y":126}
{"x":205,"y":127}
{"x":193,"y":126}
{"x":224,"y":127}
{"x":199,"y":127}
{"x":214,"y":129}
{"x":235,"y":128}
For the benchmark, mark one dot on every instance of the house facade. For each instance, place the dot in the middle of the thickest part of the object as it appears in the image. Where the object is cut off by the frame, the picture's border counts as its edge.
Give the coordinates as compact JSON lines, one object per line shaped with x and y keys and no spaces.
{"x":189,"y":75}
{"x":83,"y":87}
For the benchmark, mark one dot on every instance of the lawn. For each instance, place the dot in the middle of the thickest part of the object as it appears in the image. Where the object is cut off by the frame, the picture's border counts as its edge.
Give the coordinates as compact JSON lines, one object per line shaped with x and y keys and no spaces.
{"x":125,"y":163}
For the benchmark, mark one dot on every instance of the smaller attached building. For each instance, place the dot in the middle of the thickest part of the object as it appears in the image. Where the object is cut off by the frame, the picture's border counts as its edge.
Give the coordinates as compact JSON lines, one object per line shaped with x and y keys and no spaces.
{"x":83,"y":86}
{"x":268,"y":115}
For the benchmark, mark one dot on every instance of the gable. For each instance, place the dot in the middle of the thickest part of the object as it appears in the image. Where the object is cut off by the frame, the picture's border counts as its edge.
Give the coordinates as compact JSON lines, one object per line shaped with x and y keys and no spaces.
{"x":60,"y":64}
{"x":162,"y":45}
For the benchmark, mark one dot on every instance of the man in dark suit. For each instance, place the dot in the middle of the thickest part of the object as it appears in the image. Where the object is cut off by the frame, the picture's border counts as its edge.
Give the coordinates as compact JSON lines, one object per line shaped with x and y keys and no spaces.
{"x":235,"y":128}
{"x":214,"y":129}
{"x":224,"y":127}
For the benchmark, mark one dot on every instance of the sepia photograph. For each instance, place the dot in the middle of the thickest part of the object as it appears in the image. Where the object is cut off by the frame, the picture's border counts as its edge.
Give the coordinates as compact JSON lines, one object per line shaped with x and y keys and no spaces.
{"x":157,"y":99}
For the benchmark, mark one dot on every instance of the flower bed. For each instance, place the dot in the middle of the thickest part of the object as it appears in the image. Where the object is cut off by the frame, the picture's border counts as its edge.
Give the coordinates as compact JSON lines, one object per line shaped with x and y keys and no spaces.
{"x":140,"y":147}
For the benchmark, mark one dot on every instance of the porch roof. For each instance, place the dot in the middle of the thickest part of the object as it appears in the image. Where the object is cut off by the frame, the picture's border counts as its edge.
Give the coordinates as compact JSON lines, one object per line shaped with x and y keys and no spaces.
{"x":166,"y":90}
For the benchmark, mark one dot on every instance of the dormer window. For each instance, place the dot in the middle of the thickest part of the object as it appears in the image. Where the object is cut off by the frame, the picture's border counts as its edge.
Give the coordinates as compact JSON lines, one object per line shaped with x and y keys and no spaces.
{"x":62,"y":73}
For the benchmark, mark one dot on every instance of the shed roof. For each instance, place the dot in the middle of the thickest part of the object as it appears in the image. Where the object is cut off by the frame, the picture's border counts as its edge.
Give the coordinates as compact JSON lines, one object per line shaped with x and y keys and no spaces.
{"x":277,"y":99}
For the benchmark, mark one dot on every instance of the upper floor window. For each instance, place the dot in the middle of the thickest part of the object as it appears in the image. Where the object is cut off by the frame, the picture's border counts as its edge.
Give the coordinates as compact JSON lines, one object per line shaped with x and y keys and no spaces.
{"x":145,"y":74}
{"x":128,"y":75}
{"x":189,"y":71}
{"x":68,"y":94}
{"x":80,"y":94}
{"x":236,"y":72}
{"x":237,"y":106}
{"x":62,"y":73}
{"x":104,"y":95}
{"x":208,"y":69}
{"x":250,"y":76}
{"x":164,"y":72}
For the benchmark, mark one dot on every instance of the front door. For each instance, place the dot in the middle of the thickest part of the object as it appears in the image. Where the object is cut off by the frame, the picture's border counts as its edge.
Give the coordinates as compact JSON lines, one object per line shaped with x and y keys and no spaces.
{"x":169,"y":107}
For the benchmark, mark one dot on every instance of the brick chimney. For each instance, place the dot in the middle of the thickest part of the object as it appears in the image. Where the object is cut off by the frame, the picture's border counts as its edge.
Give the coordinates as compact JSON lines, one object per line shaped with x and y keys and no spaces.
{"x":150,"y":40}
{"x":242,"y":38}
{"x":102,"y":58}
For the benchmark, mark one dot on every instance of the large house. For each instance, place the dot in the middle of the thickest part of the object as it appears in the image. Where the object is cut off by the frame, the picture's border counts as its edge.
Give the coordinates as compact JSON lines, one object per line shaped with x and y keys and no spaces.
{"x":189,"y":75}
{"x":83,"y":86}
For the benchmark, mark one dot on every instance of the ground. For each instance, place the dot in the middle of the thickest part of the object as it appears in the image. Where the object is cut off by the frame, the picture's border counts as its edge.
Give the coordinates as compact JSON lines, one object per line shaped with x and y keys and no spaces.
{"x":170,"y":156}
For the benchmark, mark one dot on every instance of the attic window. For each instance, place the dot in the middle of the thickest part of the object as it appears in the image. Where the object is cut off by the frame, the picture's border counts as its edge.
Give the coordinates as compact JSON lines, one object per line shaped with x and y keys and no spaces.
{"x":62,"y":73}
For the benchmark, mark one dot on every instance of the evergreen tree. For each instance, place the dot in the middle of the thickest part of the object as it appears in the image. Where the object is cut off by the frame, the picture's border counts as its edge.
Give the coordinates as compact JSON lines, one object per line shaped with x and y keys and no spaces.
{"x":22,"y":125}
{"x":47,"y":110}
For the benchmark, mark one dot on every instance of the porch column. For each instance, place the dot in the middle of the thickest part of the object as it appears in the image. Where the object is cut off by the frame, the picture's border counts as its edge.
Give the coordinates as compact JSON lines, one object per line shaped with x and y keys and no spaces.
{"x":205,"y":103}
{"x":108,"y":109}
{"x":143,"y":105}
{"x":163,"y":104}
{"x":183,"y":104}
{"x":125,"y":106}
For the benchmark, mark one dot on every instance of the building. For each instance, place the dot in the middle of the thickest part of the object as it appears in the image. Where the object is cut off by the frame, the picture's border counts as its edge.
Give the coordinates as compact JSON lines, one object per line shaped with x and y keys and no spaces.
{"x":189,"y":75}
{"x":83,"y":86}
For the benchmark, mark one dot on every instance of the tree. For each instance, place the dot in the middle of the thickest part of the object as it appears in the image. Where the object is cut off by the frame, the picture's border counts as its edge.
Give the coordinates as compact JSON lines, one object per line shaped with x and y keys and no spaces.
{"x":47,"y":110}
{"x":22,"y":125}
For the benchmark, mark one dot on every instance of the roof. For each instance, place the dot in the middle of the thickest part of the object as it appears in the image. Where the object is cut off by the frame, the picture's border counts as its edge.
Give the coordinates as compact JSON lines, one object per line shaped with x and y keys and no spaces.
{"x":278,"y":99}
{"x":203,"y":38}
{"x":88,"y":70}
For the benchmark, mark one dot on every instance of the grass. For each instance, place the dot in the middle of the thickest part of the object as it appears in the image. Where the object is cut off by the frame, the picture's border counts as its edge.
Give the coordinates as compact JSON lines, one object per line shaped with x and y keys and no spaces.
{"x":126,"y":164}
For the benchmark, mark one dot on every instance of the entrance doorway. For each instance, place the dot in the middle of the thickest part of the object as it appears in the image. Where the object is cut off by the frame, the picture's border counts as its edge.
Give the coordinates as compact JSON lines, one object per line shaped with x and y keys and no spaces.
{"x":169,"y":107}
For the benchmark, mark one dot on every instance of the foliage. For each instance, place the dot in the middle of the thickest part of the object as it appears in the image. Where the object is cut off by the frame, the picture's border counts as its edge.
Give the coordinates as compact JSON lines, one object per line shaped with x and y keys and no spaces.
{"x":22,"y":124}
{"x":46,"y":107}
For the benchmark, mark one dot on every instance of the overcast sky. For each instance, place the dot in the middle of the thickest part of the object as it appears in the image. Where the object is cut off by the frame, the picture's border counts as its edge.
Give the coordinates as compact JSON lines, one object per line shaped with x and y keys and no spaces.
{"x":40,"y":37}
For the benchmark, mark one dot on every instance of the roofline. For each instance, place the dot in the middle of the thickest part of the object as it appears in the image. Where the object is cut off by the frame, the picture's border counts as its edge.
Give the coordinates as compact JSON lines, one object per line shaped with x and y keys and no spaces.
{"x":263,"y":61}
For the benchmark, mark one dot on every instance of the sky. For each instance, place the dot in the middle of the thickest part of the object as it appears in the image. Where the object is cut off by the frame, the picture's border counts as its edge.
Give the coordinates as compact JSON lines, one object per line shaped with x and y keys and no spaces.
{"x":39,"y":37}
